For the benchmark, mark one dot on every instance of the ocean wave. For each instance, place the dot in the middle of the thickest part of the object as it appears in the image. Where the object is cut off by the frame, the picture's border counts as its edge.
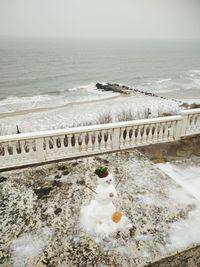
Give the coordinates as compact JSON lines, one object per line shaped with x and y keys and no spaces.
{"x":195,"y":71}
{"x":194,"y":76}
{"x":164,"y":80}
{"x":54,"y":99}
{"x":90,"y":86}
{"x":15,"y":103}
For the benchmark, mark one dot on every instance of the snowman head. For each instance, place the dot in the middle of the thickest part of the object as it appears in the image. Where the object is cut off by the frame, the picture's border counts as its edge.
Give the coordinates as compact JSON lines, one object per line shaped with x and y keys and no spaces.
{"x":106,"y":181}
{"x":104,"y":177}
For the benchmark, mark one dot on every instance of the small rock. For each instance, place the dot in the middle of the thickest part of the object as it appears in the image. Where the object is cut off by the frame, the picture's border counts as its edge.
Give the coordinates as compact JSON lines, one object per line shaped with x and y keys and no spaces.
{"x":62,"y":167}
{"x":56,"y":183}
{"x":43,"y":191}
{"x":80,"y":182}
{"x":75,"y":164}
{"x":66,"y":172}
{"x":58,"y":176}
{"x":132,"y":231}
{"x":57,"y":211}
{"x":2,"y":179}
{"x":102,"y":160}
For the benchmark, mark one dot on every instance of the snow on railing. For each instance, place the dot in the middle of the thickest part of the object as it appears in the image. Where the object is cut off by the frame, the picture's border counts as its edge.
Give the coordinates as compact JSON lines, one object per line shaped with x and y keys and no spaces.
{"x":35,"y":148}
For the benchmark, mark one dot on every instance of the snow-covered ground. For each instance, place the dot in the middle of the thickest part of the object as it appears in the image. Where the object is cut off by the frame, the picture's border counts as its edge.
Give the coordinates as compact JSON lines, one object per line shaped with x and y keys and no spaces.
{"x":43,"y":204}
{"x":187,"y":175}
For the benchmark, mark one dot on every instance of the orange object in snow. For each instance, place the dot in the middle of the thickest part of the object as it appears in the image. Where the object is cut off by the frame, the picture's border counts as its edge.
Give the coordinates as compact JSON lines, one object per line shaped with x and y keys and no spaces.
{"x":116,"y":217}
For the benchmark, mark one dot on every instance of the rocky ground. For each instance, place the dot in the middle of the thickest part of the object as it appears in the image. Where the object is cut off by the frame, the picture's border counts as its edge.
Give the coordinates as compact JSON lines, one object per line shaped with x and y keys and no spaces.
{"x":40,"y":209}
{"x":178,"y":150}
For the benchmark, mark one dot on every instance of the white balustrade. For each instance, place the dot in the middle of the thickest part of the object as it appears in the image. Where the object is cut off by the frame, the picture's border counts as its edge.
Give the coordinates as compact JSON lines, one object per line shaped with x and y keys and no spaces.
{"x":35,"y":148}
{"x":191,"y":122}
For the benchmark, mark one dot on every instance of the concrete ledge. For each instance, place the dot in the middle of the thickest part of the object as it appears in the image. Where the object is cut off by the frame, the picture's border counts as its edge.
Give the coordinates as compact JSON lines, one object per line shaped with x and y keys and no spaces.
{"x":186,"y":258}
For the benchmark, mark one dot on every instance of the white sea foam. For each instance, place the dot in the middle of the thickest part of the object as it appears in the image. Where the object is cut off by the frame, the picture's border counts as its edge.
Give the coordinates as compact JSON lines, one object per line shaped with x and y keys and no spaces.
{"x":15,"y":103}
{"x":176,"y":86}
{"x":195,"y":71}
{"x":164,"y":80}
{"x":78,"y":94}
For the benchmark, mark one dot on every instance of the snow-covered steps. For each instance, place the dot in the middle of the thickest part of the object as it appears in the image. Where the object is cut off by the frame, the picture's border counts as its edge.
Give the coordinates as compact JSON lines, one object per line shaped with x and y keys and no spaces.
{"x":186,"y":173}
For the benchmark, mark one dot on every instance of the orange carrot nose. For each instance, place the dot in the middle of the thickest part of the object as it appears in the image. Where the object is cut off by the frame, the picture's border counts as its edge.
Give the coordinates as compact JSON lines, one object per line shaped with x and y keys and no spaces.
{"x":116,"y":217}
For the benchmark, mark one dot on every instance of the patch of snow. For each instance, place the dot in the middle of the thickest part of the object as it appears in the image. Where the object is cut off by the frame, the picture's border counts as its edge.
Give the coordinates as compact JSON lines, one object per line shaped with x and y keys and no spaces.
{"x":187,"y":231}
{"x":27,"y":247}
{"x":186,"y":176}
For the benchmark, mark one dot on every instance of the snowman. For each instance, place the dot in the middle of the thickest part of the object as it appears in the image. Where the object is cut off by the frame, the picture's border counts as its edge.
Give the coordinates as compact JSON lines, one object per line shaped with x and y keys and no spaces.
{"x":100,"y":218}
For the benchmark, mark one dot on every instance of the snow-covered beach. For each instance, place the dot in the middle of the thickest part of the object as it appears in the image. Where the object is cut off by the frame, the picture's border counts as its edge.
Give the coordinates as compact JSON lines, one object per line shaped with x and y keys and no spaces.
{"x":103,"y":106}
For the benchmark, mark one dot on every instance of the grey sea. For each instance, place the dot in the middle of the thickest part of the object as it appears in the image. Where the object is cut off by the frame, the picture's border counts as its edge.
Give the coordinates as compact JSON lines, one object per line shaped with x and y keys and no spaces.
{"x":51,"y":72}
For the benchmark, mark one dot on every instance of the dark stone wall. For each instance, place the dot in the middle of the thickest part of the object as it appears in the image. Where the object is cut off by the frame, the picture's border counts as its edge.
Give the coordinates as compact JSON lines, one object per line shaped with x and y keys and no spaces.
{"x":188,"y":258}
{"x":185,"y":148}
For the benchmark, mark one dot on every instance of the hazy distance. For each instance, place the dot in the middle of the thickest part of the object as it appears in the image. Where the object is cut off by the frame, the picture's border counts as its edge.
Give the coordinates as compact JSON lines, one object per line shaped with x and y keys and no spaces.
{"x":123,"y":19}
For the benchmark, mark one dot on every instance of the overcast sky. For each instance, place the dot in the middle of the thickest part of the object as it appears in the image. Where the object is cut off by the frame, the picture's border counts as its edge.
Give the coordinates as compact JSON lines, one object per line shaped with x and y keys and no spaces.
{"x":125,"y":19}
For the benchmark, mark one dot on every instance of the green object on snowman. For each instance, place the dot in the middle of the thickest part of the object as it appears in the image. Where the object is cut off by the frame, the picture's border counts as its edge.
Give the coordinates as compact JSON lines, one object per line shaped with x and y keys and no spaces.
{"x":102,"y":171}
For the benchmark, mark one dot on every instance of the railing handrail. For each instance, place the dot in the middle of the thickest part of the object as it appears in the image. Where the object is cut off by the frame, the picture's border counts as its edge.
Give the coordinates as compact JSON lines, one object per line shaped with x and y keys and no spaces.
{"x":74,"y":130}
{"x":190,"y":111}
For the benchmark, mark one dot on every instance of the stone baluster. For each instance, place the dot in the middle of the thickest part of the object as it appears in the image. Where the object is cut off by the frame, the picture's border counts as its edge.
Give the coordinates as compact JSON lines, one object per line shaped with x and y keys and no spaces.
{"x":128,"y":139}
{"x":123,"y":136}
{"x":97,"y":145}
{"x":89,"y":140}
{"x":173,"y":131}
{"x":154,"y":133}
{"x":40,"y":155}
{"x":161,"y":129}
{"x":116,"y":138}
{"x":149,"y":136}
{"x":73,"y":143}
{"x":140,"y":134}
{"x":6,"y":153}
{"x":110,"y":135}
{"x":198,"y":124}
{"x":76,"y":145}
{"x":93,"y":140}
{"x":144,"y":137}
{"x":62,"y":145}
{"x":133,"y":137}
{"x":14,"y":146}
{"x":83,"y":139}
{"x":165,"y":131}
{"x":195,"y":119}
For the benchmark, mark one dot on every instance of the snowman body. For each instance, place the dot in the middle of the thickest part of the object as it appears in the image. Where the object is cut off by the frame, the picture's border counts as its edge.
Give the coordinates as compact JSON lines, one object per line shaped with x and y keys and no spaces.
{"x":96,"y":218}
{"x":103,"y":208}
